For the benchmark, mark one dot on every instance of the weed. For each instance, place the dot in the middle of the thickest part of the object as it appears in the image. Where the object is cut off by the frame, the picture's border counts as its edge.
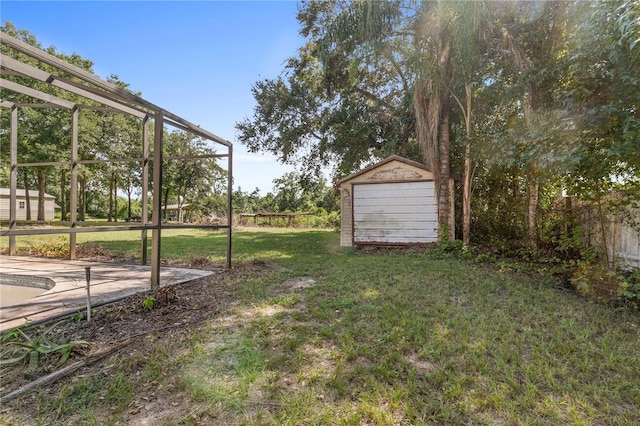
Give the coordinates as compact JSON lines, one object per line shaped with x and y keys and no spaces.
{"x":598,"y":282}
{"x":632,"y":285}
{"x":148,"y":302}
{"x":447,"y":249}
{"x":486,"y":258}
{"x":120,"y":392}
{"x":286,"y":301}
{"x":58,"y":249}
{"x":77,"y":396}
{"x":25,"y":347}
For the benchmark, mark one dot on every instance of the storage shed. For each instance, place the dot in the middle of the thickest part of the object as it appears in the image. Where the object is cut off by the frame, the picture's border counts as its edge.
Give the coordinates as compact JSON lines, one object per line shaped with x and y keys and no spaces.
{"x":21,"y":207}
{"x":393,"y":202}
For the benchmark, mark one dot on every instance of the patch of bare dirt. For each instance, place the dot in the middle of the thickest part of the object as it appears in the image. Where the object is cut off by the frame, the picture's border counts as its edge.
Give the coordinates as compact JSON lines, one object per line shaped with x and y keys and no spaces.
{"x":133,"y":329}
{"x":400,"y":250}
{"x":299,"y":283}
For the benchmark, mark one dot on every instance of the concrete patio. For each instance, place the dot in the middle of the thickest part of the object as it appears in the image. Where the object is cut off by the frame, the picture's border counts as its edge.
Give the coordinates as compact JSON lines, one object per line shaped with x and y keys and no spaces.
{"x":109,"y":282}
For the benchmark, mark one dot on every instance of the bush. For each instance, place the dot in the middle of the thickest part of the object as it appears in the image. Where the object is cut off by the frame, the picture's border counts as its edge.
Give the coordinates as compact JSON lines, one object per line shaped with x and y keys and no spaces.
{"x":57,"y":249}
{"x":445,"y":249}
{"x":597,"y":282}
{"x":322,"y":219}
{"x":632,"y":281}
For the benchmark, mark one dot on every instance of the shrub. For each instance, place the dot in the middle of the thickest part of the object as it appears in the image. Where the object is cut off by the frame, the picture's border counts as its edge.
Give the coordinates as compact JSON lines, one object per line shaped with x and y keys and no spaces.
{"x":57,"y":249}
{"x":444,"y":249}
{"x":632,"y":290}
{"x":20,"y":347}
{"x":597,"y":282}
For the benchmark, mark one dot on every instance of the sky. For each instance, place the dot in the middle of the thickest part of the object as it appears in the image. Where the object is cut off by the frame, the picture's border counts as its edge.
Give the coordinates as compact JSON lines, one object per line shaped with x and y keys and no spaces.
{"x":195,"y":59}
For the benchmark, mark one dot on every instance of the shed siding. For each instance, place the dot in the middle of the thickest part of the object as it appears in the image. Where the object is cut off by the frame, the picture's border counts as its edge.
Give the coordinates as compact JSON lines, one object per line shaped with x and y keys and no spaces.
{"x":398,"y":212}
{"x":21,"y":213}
{"x":346,"y":218}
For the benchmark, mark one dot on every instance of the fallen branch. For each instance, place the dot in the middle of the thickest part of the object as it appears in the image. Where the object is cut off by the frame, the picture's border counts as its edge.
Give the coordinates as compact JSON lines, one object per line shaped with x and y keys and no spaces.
{"x":56,"y":375}
{"x":42,"y":380}
{"x":52,"y":377}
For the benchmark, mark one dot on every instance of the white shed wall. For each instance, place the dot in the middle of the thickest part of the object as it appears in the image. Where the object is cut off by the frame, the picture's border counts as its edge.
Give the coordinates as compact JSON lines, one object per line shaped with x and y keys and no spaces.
{"x":21,"y":213}
{"x":417,"y":206}
{"x":395,"y":213}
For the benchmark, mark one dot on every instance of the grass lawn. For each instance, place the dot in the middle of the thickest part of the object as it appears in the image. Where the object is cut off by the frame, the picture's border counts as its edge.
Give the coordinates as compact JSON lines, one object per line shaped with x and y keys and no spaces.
{"x":337,"y":336}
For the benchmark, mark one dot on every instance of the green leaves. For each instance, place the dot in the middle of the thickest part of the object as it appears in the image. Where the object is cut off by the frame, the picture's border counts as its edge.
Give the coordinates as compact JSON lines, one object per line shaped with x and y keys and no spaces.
{"x":188,"y":180}
{"x":24,"y":347}
{"x":343,"y":99}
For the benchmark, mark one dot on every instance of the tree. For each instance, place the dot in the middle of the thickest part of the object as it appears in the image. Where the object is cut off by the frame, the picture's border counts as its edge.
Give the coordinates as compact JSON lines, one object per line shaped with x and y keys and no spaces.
{"x":513,"y":80}
{"x":44,"y":132}
{"x":386,"y":74}
{"x":531,"y":33}
{"x":340,"y":101}
{"x":602,"y":89}
{"x":471,"y":62}
{"x":431,"y":101}
{"x":293,"y":193}
{"x":191,"y":176}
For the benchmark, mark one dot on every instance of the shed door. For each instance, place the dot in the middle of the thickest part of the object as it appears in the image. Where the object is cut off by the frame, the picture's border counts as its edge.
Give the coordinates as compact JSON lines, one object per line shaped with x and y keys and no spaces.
{"x":400,"y":212}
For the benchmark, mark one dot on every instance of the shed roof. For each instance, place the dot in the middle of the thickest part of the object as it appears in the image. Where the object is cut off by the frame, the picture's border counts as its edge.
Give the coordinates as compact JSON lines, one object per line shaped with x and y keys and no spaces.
{"x":176,"y":206}
{"x":5,"y":192}
{"x":381,"y":163}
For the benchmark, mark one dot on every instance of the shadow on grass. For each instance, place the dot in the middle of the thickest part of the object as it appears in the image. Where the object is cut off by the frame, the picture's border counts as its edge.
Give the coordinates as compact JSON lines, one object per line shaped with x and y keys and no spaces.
{"x":246,"y":245}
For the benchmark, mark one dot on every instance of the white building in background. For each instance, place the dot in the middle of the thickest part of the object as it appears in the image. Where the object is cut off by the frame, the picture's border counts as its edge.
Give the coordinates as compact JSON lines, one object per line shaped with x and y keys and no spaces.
{"x":21,"y":208}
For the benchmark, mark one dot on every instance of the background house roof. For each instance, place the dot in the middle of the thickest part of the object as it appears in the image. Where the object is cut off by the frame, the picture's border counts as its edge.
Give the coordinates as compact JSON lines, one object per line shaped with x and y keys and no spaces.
{"x":4,"y":192}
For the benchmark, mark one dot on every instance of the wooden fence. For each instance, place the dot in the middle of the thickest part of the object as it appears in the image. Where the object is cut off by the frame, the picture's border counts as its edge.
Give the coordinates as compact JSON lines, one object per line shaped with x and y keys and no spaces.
{"x":618,"y":234}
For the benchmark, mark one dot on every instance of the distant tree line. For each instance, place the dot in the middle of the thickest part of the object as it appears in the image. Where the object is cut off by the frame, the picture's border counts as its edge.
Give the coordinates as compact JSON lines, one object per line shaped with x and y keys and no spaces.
{"x":291,"y":193}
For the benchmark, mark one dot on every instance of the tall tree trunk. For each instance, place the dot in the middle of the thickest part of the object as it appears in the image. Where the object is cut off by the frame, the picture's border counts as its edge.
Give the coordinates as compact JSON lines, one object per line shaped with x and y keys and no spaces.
{"x":82,"y":199}
{"x":27,"y":196}
{"x":557,"y":10}
{"x":529,"y":98}
{"x":603,"y":233}
{"x":129,"y":205}
{"x":115,"y":197}
{"x":432,"y":124}
{"x":426,"y":104}
{"x":166,"y":199}
{"x":431,"y":106}
{"x":427,"y":107}
{"x":444,"y":198}
{"x":63,"y":196}
{"x":110,"y":214}
{"x":524,"y":63}
{"x":42,"y":180}
{"x":533,"y":206}
{"x":444,"y":194}
{"x":466,"y":190}
{"x":180,"y":208}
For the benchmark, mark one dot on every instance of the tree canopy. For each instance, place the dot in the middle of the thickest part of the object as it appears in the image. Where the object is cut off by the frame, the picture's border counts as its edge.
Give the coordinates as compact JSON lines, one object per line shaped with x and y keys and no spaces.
{"x":520,"y":98}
